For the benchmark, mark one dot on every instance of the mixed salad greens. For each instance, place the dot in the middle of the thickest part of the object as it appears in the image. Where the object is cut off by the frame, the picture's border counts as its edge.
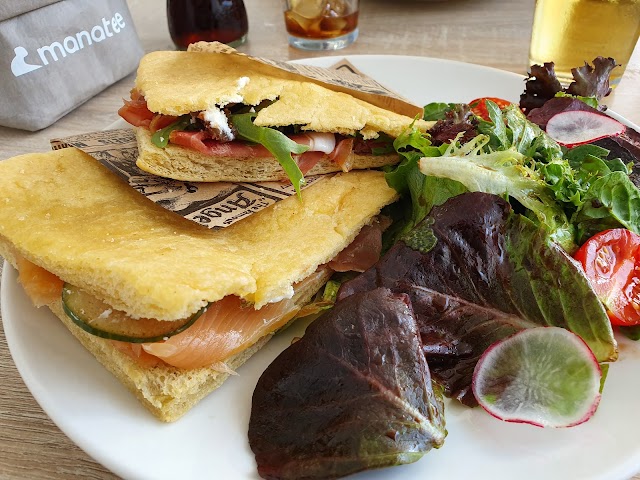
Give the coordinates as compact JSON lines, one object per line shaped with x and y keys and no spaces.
{"x":501,"y":230}
{"x":574,"y":193}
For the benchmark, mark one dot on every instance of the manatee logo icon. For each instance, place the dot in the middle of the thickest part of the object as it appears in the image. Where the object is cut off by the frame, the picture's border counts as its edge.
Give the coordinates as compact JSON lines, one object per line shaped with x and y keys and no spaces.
{"x":19,"y":65}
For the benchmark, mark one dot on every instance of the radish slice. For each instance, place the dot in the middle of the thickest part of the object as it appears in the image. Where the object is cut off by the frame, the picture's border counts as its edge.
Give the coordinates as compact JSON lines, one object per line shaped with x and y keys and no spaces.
{"x":545,"y":376}
{"x":578,"y":127}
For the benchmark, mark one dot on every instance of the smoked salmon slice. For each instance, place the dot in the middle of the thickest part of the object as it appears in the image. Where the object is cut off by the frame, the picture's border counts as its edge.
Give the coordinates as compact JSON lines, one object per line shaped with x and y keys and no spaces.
{"x":42,"y":286}
{"x":227,"y":327}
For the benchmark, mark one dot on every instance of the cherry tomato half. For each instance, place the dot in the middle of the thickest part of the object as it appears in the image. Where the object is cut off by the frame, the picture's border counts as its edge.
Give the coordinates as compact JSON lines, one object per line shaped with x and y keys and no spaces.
{"x":479,"y":106}
{"x":611,"y":260}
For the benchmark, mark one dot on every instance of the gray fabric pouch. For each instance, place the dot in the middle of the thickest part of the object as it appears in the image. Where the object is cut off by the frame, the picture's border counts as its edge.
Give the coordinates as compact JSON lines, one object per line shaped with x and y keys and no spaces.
{"x":56,"y":54}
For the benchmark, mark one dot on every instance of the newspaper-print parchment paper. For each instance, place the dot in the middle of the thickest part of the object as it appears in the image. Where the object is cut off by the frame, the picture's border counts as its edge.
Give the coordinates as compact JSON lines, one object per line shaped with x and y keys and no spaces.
{"x":211,"y":204}
{"x":220,"y":204}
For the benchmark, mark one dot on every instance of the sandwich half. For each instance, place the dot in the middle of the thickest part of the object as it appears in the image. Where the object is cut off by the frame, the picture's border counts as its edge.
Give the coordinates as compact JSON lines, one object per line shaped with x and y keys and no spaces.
{"x":204,"y":116}
{"x":171,"y":308}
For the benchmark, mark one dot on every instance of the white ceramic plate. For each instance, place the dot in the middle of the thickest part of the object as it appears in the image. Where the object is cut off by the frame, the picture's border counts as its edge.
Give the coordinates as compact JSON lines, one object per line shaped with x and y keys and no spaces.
{"x":105,"y":420}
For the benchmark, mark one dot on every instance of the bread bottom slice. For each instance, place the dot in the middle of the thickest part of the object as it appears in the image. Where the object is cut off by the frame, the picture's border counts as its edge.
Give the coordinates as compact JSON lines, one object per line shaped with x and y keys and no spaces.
{"x":180,"y":163}
{"x":168,"y":392}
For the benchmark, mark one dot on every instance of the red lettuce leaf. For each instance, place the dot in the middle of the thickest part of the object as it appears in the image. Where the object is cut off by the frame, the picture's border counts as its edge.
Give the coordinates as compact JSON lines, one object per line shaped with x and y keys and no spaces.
{"x":353,"y":394}
{"x":457,"y":120}
{"x":542,"y":84}
{"x":592,"y":81}
{"x":491,"y":273}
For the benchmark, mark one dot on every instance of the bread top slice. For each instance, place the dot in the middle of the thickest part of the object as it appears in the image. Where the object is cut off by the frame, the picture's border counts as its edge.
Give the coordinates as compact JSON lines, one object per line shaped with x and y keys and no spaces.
{"x":177,"y":83}
{"x":67,"y":213}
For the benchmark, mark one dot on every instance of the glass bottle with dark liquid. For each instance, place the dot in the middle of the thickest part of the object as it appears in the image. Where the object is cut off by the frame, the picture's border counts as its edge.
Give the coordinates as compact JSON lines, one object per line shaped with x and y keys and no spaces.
{"x":207,"y":20}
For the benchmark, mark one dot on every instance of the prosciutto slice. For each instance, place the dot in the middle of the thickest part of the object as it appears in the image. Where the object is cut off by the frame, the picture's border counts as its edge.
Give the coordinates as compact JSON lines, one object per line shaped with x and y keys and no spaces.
{"x":135,"y":111}
{"x":364,"y":251}
{"x":202,"y":142}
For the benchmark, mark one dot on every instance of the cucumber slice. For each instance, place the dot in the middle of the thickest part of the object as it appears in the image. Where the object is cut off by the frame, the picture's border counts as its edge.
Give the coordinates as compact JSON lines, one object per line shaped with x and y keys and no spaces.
{"x":99,"y":319}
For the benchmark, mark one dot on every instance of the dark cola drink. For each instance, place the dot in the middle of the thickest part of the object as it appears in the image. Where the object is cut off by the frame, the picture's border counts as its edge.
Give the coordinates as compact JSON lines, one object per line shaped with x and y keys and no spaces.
{"x":207,"y":20}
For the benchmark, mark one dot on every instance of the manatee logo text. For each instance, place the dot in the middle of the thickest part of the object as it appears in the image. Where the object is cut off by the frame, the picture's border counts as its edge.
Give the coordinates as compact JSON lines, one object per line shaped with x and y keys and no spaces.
{"x":68,"y":46}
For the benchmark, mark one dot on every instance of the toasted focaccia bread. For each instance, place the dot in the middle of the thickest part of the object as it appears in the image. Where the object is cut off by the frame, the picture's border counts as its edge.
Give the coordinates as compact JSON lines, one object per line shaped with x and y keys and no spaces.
{"x":67,"y":214}
{"x":178,"y":83}
{"x":197,"y":101}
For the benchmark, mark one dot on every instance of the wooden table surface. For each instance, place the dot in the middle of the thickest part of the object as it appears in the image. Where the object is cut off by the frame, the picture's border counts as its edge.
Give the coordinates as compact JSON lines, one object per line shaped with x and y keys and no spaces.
{"x":487,"y":32}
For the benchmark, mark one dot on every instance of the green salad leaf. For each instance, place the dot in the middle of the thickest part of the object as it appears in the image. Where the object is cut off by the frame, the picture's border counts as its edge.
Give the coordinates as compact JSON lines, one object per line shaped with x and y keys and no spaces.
{"x":406,"y":178}
{"x":632,"y":332}
{"x":503,"y":173}
{"x":591,"y":101}
{"x":275,"y":141}
{"x":610,"y":202}
{"x":437,"y":111}
{"x":511,"y":129}
{"x":574,"y":193}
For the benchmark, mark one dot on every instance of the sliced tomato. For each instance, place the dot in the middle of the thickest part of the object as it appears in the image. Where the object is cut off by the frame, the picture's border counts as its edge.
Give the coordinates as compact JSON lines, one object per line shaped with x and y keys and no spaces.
{"x":479,"y":106}
{"x":611,"y":260}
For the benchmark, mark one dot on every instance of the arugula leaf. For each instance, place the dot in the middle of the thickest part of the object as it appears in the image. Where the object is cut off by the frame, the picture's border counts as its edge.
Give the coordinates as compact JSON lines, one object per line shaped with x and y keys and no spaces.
{"x":498,"y":129}
{"x":511,"y":129}
{"x":276,"y":142}
{"x":529,"y":139}
{"x":161,"y":137}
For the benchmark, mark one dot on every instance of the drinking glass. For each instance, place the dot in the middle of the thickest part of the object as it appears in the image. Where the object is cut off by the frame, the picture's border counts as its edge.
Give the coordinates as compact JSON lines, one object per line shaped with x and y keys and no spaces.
{"x":321,"y":24}
{"x":192,"y":21}
{"x":572,"y":32}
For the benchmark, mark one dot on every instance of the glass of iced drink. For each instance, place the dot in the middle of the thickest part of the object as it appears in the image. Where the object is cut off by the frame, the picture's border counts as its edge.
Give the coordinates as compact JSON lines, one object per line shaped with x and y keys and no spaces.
{"x":571,"y":32}
{"x":321,"y":24}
